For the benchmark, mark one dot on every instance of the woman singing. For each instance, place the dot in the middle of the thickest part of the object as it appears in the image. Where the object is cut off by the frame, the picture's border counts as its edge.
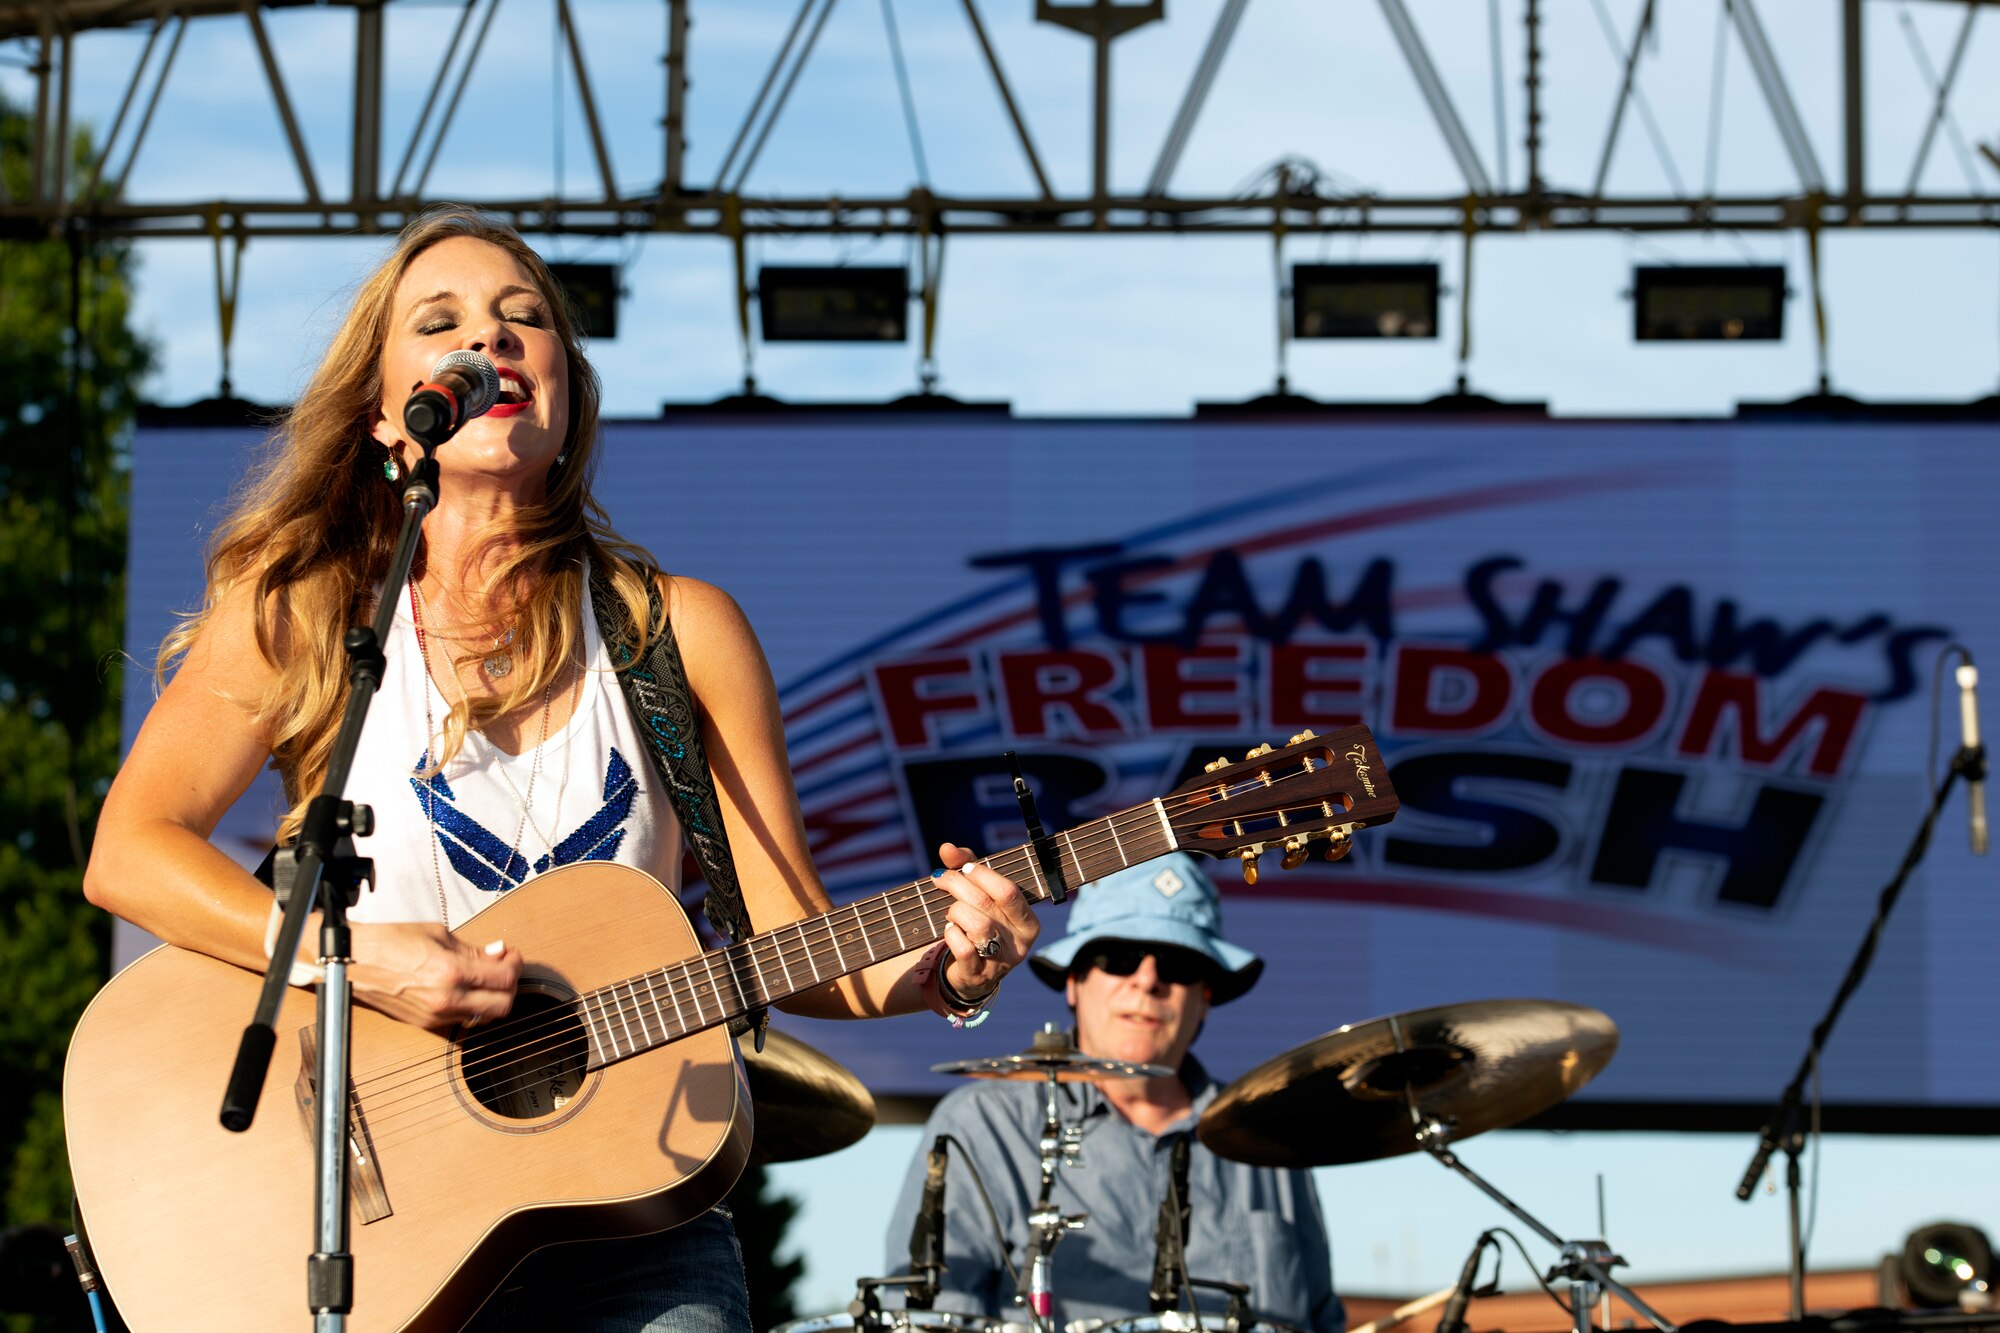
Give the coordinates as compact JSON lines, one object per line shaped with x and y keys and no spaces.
{"x":501,"y":740}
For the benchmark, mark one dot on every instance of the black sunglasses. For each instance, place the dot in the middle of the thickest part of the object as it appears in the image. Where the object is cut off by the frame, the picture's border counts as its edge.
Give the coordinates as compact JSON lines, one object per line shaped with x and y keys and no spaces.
{"x":1176,"y":967}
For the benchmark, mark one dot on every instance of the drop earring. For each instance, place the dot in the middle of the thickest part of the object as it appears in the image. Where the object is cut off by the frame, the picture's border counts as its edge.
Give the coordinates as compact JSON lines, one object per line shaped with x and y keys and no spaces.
{"x":562,"y":458}
{"x":392,"y":466}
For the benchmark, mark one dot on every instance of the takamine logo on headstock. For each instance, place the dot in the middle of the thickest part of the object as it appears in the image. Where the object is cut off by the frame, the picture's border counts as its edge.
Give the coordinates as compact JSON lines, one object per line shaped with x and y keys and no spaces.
{"x":1286,"y":798}
{"x":1359,"y":758}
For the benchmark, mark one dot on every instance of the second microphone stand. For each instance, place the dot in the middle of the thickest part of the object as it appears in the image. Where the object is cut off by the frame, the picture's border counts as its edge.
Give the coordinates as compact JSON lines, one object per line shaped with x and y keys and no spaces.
{"x":1786,"y":1127}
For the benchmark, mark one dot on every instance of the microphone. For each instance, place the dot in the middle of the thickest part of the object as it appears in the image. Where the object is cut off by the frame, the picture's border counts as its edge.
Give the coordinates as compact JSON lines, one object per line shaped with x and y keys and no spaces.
{"x":1170,"y":1236}
{"x":462,"y":385}
{"x":1972,"y":759}
{"x":1453,"y":1319}
{"x":927,"y":1234}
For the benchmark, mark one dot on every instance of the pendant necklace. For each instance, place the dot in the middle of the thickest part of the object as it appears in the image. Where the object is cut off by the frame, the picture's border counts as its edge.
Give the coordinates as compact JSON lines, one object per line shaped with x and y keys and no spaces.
{"x":430,"y":732}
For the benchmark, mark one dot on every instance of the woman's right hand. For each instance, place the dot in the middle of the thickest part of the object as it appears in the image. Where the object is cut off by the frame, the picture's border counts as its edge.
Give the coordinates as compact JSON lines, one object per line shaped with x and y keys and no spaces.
{"x":421,"y":973}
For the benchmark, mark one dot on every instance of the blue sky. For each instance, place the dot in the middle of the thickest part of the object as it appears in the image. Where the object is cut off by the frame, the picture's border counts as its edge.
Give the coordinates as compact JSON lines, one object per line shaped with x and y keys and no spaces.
{"x":1087,"y":325}
{"x":1091,"y":325}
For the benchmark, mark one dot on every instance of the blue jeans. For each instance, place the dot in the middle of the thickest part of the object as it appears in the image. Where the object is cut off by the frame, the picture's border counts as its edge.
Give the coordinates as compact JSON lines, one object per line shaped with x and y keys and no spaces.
{"x":688,"y":1280}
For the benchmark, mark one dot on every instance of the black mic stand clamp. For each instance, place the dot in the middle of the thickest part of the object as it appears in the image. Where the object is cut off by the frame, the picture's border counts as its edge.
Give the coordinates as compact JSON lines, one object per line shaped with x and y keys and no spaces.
{"x":1583,"y":1264}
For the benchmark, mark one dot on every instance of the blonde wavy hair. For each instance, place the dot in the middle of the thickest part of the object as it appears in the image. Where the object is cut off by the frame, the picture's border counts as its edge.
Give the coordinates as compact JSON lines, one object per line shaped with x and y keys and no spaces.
{"x":313,"y":534}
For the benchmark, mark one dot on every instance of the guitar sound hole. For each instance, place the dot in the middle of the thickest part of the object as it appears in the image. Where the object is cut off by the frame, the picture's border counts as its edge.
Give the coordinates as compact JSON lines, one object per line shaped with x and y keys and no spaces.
{"x":529,"y":1064}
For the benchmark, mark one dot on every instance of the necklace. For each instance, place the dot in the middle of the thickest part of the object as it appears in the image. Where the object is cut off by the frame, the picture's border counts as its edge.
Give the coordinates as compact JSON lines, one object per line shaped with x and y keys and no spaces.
{"x":430,"y":796}
{"x":498,"y":663}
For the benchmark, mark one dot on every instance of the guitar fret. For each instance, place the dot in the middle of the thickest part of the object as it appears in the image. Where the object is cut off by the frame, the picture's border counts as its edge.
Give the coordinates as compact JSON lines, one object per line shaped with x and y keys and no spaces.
{"x":930,"y":922}
{"x":897,"y":922}
{"x":646,"y":1038}
{"x":834,"y":935}
{"x":653,"y":996}
{"x":812,"y":960}
{"x":778,"y":946}
{"x":1068,"y":842}
{"x":1166,"y":825}
{"x":673,"y":993}
{"x":598,"y":1025}
{"x":747,"y":976}
{"x":623,"y":1020}
{"x":1034,"y":866}
{"x":721,"y":1000}
{"x":1112,"y":824}
{"x":694,"y":994}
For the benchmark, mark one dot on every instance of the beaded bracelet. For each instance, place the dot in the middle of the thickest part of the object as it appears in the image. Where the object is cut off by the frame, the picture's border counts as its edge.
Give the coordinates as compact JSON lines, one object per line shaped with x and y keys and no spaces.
{"x":944,"y":1001}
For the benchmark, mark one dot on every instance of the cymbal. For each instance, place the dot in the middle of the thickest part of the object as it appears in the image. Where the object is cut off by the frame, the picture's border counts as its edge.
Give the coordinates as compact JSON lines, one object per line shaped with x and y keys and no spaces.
{"x":1052,"y":1053}
{"x":806,"y":1104}
{"x":1345,"y":1096}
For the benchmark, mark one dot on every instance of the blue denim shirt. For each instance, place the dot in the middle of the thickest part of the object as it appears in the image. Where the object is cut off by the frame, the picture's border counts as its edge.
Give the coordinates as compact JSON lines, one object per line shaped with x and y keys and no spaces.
{"x":1255,"y":1225}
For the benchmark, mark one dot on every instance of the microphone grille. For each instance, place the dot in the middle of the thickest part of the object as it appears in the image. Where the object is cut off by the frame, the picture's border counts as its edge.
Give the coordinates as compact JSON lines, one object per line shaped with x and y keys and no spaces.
{"x":484,"y":375}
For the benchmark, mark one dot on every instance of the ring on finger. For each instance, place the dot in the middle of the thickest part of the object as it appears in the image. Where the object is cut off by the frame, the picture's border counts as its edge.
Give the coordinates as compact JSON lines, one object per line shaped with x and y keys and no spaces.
{"x":989,"y":947}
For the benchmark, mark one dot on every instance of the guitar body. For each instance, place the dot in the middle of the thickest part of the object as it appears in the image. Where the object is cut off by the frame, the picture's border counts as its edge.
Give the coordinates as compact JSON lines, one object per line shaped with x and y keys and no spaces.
{"x":464,"y":1161}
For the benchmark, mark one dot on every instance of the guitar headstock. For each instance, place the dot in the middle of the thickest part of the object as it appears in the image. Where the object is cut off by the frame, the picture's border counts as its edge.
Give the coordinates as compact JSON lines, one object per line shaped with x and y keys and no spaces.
{"x":1315,"y":789}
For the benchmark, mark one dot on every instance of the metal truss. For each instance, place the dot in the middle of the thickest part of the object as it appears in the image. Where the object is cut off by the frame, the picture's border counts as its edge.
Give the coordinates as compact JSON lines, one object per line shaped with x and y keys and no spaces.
{"x":1296,"y":198}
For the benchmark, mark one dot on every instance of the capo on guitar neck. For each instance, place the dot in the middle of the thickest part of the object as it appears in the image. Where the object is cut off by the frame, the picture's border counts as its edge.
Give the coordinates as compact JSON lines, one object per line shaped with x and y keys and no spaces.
{"x":1046,"y":852}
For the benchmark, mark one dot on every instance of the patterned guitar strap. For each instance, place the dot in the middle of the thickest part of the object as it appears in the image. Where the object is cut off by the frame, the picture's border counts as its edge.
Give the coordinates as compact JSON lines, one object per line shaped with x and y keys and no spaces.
{"x":657,"y":691}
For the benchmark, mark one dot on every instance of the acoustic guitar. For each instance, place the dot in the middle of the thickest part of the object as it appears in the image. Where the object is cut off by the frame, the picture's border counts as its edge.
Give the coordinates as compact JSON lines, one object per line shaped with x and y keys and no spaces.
{"x":611,"y":1102}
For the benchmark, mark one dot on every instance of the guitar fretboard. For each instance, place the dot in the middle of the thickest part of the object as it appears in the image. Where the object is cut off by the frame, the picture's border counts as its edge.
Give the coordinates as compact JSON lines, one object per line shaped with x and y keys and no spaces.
{"x":649,"y":1010}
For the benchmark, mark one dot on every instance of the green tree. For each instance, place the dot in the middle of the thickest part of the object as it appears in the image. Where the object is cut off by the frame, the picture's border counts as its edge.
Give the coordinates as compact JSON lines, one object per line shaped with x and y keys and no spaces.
{"x":762,"y":1215}
{"x":69,"y":372}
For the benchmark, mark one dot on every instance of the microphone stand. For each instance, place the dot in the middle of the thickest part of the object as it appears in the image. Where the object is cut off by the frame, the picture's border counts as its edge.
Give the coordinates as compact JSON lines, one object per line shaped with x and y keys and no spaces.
{"x":324,"y":872}
{"x":1785,"y":1128}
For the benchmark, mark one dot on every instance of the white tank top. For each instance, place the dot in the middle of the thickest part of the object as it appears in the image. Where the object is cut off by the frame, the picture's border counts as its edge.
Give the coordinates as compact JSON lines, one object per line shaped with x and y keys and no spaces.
{"x":490,"y":820}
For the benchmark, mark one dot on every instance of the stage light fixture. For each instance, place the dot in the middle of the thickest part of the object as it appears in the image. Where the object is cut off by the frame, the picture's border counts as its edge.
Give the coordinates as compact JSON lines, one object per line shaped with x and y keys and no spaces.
{"x":803,"y":303}
{"x":1364,"y":300}
{"x":592,"y":292}
{"x":1708,"y":303}
{"x":1945,"y":1262}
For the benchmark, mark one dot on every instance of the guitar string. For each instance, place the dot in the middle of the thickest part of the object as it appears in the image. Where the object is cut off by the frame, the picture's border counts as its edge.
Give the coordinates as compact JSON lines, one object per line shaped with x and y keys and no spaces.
{"x":792,"y":944}
{"x":391,"y":1126}
{"x":625,"y":1007}
{"x":630,"y":1004}
{"x":780,"y":948}
{"x":1091,"y":842}
{"x":893,"y":907}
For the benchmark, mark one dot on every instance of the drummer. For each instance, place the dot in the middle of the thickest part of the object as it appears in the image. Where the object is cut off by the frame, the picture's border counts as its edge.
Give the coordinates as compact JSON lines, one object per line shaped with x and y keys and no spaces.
{"x":1142,"y":962}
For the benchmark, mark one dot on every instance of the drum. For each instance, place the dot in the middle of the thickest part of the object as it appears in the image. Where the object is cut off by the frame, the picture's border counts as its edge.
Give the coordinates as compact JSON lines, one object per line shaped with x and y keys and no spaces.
{"x":1179,"y":1321}
{"x":928,"y":1321}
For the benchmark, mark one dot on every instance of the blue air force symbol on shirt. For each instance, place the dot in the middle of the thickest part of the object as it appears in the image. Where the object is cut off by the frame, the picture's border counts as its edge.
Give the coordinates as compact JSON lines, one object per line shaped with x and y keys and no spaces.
{"x":486,"y":862}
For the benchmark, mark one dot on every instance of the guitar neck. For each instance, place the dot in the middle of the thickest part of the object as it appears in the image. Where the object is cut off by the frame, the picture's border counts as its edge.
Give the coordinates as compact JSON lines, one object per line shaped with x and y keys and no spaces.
{"x":720,"y":985}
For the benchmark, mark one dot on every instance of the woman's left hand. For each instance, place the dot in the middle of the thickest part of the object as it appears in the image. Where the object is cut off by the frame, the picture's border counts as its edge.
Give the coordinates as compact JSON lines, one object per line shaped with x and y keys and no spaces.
{"x":989,"y":928}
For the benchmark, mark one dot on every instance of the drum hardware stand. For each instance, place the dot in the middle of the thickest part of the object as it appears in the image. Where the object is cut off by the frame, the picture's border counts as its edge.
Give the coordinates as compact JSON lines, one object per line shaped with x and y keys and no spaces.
{"x":866,"y":1307}
{"x":1237,"y":1317}
{"x":1047,"y":855}
{"x":1060,"y":1146}
{"x":1585,"y":1264}
{"x":322,"y":871}
{"x":1786,"y":1127}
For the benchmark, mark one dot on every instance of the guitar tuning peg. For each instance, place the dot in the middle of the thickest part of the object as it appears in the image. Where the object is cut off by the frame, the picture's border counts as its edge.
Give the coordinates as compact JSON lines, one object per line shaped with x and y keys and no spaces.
{"x":1265,"y":748}
{"x":1302,"y":736}
{"x":1249,"y":857}
{"x":1213,"y":764}
{"x":1338,"y":845}
{"x":1296,"y":852}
